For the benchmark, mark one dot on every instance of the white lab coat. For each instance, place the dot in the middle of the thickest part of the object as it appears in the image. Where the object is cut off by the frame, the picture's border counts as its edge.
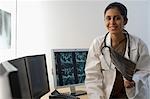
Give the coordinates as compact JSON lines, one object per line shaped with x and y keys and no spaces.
{"x":100,"y":77}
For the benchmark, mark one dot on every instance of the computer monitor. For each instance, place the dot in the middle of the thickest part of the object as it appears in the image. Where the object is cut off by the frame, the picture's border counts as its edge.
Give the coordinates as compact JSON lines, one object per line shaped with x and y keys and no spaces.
{"x":31,"y":80}
{"x":68,"y":68}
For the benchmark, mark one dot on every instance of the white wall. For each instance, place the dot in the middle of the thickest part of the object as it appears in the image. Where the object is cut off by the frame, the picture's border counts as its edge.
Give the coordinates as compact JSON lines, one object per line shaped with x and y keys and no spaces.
{"x":57,"y":24}
{"x":148,"y":33}
{"x":44,"y":25}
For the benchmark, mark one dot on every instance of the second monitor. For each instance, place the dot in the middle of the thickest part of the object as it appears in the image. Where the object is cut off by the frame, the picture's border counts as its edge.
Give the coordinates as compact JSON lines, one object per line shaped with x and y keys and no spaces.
{"x":68,"y":68}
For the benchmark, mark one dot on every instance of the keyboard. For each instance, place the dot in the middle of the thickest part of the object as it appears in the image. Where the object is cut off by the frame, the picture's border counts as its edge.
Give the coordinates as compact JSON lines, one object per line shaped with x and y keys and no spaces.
{"x":63,"y":97}
{"x":57,"y":95}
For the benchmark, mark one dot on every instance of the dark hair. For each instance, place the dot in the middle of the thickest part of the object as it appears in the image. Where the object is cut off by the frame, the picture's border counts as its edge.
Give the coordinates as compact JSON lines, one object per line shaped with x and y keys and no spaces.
{"x":122,"y":9}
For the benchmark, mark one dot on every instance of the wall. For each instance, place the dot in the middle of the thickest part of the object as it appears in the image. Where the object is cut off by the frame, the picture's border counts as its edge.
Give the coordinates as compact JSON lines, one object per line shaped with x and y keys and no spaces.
{"x":57,"y":25}
{"x":44,"y":25}
{"x":148,"y":33}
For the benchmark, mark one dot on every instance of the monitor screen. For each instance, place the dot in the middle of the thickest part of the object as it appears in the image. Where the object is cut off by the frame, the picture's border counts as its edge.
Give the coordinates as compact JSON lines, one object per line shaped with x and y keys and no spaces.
{"x":68,"y":66}
{"x":37,"y":71}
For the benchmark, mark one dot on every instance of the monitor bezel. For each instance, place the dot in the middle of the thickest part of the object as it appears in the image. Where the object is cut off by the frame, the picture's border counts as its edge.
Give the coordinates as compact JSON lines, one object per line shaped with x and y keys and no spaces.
{"x":54,"y":65}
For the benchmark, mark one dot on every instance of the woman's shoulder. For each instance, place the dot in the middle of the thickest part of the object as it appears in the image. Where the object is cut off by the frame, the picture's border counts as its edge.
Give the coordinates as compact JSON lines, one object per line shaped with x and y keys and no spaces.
{"x":134,"y":37}
{"x":136,"y":40}
{"x":99,"y":39}
{"x":96,"y":44}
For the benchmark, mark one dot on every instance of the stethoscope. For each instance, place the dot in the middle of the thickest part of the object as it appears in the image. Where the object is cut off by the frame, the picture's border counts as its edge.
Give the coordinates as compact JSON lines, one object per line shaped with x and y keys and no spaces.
{"x":105,"y":46}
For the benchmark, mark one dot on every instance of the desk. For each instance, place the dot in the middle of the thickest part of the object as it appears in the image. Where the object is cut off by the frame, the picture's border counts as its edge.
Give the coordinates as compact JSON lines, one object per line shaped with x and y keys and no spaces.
{"x":64,"y":90}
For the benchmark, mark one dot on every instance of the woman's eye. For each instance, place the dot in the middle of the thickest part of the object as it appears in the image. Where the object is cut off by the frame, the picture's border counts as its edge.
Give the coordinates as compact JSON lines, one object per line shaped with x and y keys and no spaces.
{"x":108,"y":18}
{"x":117,"y":18}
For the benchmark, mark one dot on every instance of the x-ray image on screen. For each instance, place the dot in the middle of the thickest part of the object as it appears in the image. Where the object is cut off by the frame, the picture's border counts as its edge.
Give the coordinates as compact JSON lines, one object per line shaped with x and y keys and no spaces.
{"x":69,"y":66}
{"x":65,"y":68}
{"x":80,"y":64}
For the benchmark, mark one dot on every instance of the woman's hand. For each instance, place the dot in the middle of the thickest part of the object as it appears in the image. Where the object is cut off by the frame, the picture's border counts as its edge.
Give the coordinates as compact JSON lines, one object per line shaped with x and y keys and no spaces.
{"x":129,"y":84}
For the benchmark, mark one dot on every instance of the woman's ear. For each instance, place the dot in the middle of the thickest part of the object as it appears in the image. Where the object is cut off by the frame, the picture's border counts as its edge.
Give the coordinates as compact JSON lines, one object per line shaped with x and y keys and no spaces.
{"x":126,"y":21}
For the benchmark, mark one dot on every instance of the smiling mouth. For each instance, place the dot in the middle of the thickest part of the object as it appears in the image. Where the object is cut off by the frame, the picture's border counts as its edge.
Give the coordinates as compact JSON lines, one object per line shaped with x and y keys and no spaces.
{"x":113,"y":28}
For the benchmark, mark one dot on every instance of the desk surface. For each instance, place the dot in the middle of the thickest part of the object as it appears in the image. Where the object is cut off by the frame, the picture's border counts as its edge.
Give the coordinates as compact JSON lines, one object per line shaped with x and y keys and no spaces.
{"x":64,"y":90}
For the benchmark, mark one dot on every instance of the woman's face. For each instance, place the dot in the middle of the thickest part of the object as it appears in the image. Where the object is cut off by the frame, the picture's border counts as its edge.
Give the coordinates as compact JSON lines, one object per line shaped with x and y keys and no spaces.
{"x":114,"y":21}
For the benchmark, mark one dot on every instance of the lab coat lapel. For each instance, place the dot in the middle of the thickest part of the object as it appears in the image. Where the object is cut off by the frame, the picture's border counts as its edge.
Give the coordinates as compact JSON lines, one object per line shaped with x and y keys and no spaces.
{"x":108,"y":40}
{"x":127,"y":46}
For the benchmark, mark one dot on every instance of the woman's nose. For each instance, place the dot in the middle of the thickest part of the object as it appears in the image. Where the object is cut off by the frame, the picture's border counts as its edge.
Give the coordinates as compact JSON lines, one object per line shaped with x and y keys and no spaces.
{"x":112,"y":21}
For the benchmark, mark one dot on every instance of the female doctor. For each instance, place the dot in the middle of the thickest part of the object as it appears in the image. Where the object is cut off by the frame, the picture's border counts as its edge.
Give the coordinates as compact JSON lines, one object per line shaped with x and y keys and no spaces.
{"x":103,"y":79}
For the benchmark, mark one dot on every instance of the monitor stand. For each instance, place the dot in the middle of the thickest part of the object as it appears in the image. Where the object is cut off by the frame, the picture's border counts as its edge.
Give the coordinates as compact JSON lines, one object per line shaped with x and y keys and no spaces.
{"x":75,"y":92}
